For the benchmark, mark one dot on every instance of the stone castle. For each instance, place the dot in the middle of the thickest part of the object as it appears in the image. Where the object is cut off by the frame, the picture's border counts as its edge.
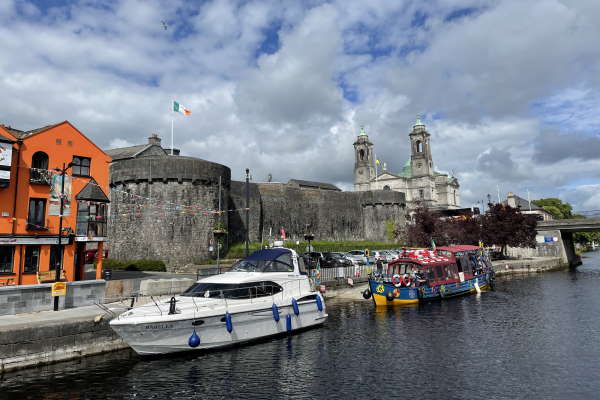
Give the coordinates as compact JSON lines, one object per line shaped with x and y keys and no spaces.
{"x":165,"y":206}
{"x":418,"y":180}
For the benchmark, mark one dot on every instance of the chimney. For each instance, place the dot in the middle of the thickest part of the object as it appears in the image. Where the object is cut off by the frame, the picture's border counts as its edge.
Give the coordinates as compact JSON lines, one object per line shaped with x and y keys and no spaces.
{"x":154,"y":139}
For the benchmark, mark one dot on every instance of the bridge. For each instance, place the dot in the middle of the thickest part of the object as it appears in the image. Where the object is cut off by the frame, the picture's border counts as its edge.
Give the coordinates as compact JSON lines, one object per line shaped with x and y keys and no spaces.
{"x":564,"y":229}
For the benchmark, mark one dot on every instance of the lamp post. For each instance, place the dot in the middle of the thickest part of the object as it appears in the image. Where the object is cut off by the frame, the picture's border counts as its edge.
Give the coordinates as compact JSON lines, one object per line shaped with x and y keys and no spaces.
{"x":247,"y":208}
{"x":308,"y":237}
{"x":60,"y":226}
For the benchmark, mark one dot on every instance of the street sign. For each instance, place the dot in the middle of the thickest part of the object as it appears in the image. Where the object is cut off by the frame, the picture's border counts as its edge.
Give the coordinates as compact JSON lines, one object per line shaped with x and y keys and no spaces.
{"x":59,"y":289}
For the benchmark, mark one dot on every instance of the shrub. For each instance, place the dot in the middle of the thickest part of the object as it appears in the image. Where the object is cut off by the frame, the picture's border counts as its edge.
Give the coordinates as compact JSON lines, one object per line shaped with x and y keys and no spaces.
{"x":135,"y":265}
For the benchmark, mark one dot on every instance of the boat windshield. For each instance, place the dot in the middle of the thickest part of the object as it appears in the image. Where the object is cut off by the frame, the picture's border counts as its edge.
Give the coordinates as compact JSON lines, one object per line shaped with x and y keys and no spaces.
{"x":282,"y":263}
{"x":238,"y":291}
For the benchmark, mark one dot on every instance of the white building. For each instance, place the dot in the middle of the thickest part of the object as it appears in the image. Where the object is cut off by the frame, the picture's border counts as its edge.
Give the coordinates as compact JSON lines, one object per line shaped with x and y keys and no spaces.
{"x":418,"y":180}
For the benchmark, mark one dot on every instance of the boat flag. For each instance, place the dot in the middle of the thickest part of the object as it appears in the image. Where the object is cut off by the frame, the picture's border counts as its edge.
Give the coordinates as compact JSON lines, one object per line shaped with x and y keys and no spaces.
{"x":181,"y":109}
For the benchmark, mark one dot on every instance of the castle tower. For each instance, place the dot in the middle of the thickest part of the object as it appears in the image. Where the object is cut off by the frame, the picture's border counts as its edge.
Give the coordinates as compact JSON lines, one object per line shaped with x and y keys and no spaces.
{"x":420,"y":154}
{"x":364,"y":170}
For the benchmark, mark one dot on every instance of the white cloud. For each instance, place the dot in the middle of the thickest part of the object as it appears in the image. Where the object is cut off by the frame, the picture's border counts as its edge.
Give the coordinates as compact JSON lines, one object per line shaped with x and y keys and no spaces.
{"x":489,"y":81}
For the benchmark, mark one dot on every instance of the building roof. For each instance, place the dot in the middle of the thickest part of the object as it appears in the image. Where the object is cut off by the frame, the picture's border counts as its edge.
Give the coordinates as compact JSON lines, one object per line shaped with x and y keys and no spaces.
{"x":406,"y":170}
{"x":19,"y":134}
{"x":5,"y":139}
{"x":92,"y":192}
{"x":126,"y":152}
{"x":314,"y":185}
{"x":523,"y":204}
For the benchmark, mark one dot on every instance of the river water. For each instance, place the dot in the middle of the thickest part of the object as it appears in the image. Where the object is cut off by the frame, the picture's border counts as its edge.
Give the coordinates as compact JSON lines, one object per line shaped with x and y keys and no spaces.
{"x":535,"y":337}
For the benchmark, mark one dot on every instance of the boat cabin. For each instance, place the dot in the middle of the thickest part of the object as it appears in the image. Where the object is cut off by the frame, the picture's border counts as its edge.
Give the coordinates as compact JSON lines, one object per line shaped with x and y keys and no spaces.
{"x":449,"y":264}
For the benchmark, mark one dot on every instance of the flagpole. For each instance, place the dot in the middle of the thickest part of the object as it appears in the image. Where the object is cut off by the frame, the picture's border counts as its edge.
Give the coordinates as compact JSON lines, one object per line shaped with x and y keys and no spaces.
{"x":172,"y":136}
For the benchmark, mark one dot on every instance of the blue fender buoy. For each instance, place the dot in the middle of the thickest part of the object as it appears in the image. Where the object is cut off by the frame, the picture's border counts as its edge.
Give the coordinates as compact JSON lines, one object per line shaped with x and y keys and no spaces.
{"x":228,"y":323}
{"x":275,"y":312}
{"x":288,"y":322}
{"x":295,"y":306}
{"x":194,"y":340}
{"x":319,"y":303}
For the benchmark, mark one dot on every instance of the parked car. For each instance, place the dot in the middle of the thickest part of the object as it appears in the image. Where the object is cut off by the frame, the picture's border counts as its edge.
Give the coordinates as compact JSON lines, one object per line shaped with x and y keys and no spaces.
{"x":335,"y":260}
{"x":311,"y":259}
{"x":357,"y":256}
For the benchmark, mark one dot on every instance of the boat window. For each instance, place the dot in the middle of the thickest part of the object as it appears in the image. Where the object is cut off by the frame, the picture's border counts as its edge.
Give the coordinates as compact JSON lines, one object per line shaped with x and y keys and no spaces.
{"x":301,"y":266}
{"x":439,"y":273}
{"x":307,"y":298}
{"x":459,"y":265}
{"x":247,"y":290}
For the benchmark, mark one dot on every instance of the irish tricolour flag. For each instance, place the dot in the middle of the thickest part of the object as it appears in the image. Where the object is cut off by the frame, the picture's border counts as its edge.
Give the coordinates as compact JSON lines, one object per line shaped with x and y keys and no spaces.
{"x":179,"y":108}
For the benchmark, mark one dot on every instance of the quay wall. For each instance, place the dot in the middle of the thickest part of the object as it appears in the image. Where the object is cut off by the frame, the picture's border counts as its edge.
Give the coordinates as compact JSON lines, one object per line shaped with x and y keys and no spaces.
{"x":32,"y":298}
{"x":37,"y":344}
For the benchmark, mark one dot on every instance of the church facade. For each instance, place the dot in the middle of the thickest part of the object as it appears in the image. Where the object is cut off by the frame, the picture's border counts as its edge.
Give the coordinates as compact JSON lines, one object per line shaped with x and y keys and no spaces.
{"x":418,"y":180}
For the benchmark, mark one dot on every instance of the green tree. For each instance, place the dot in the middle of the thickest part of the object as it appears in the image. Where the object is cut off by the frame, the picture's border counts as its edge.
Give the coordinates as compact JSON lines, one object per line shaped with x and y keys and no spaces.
{"x":507,"y":226}
{"x":556,"y":207}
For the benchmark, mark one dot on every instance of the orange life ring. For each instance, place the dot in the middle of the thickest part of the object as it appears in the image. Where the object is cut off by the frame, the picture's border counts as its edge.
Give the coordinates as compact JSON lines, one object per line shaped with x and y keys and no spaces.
{"x":407,"y":281}
{"x":397,"y":280}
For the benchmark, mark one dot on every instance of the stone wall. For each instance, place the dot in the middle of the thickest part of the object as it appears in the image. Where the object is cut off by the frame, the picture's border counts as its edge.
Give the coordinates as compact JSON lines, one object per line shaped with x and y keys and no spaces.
{"x":33,"y":298}
{"x":328,"y":214}
{"x":163,"y":208}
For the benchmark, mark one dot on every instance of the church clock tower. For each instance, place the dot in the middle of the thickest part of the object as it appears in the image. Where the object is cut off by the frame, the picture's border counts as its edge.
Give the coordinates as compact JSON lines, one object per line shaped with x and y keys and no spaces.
{"x":364,"y":170}
{"x":420,"y":154}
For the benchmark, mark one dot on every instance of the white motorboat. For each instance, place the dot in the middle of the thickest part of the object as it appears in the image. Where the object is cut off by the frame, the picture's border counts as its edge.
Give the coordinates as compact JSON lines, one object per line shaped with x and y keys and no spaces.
{"x":268,"y":293}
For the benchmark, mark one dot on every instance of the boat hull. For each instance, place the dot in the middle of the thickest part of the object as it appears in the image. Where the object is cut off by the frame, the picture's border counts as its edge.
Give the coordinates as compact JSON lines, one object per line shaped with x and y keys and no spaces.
{"x":165,"y":337}
{"x":407,"y":296}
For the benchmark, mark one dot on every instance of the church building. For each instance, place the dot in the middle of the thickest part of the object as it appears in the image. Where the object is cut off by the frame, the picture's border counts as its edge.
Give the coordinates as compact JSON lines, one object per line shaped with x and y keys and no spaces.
{"x":418,"y":180}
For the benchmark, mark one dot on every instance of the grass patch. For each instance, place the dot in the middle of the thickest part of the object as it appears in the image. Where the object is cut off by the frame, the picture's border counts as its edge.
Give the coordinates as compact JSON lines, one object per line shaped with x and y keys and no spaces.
{"x":238,"y":250}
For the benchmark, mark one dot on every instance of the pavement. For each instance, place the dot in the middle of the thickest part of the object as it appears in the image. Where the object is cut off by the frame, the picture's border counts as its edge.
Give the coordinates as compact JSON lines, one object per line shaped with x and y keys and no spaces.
{"x":45,"y":318}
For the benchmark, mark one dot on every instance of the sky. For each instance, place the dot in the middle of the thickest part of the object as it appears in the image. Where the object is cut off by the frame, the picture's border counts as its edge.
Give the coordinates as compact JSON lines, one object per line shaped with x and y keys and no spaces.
{"x":509,"y":90}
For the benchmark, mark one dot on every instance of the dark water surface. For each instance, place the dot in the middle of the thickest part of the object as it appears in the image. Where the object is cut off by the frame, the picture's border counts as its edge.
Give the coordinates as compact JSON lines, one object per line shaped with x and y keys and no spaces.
{"x":535,"y":337}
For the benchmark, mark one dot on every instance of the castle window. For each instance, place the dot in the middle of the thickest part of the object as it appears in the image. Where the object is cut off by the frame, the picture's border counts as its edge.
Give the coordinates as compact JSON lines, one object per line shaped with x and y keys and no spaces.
{"x":419,"y":146}
{"x":386,"y":187}
{"x":361,"y":154}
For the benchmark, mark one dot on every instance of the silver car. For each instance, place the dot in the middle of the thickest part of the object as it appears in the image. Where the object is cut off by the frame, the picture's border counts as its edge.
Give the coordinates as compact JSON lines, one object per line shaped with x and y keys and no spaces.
{"x":357,"y":257}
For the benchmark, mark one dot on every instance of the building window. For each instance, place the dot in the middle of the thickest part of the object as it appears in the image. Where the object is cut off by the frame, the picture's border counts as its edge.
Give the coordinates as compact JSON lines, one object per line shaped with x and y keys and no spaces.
{"x":32,"y":259}
{"x":6,"y":259}
{"x":361,"y":154}
{"x":386,"y":187}
{"x":91,"y":219}
{"x":37,"y":213}
{"x":421,"y":194}
{"x":81,"y":166}
{"x":419,"y":146}
{"x":55,"y":256}
{"x":454,"y":193}
{"x":39,"y":174}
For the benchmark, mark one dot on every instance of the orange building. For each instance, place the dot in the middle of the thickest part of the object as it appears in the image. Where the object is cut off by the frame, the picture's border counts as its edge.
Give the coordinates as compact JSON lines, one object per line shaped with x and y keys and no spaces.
{"x":30,"y":192}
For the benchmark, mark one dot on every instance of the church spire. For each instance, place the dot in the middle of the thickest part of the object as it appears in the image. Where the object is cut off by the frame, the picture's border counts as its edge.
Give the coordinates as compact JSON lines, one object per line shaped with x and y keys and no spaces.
{"x":418,"y":122}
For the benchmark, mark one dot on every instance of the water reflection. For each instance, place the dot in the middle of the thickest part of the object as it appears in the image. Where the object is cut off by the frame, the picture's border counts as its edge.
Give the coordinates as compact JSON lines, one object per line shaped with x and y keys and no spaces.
{"x":535,"y":336}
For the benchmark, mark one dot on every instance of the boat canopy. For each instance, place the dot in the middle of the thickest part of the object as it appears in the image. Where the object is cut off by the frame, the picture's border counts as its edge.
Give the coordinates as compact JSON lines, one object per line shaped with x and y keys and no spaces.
{"x":457,"y":248}
{"x":267,"y":260}
{"x":267,"y":254}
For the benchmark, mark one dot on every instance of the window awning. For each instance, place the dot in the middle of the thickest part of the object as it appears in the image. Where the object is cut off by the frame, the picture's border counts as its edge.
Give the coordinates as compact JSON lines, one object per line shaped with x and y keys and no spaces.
{"x":92,"y":192}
